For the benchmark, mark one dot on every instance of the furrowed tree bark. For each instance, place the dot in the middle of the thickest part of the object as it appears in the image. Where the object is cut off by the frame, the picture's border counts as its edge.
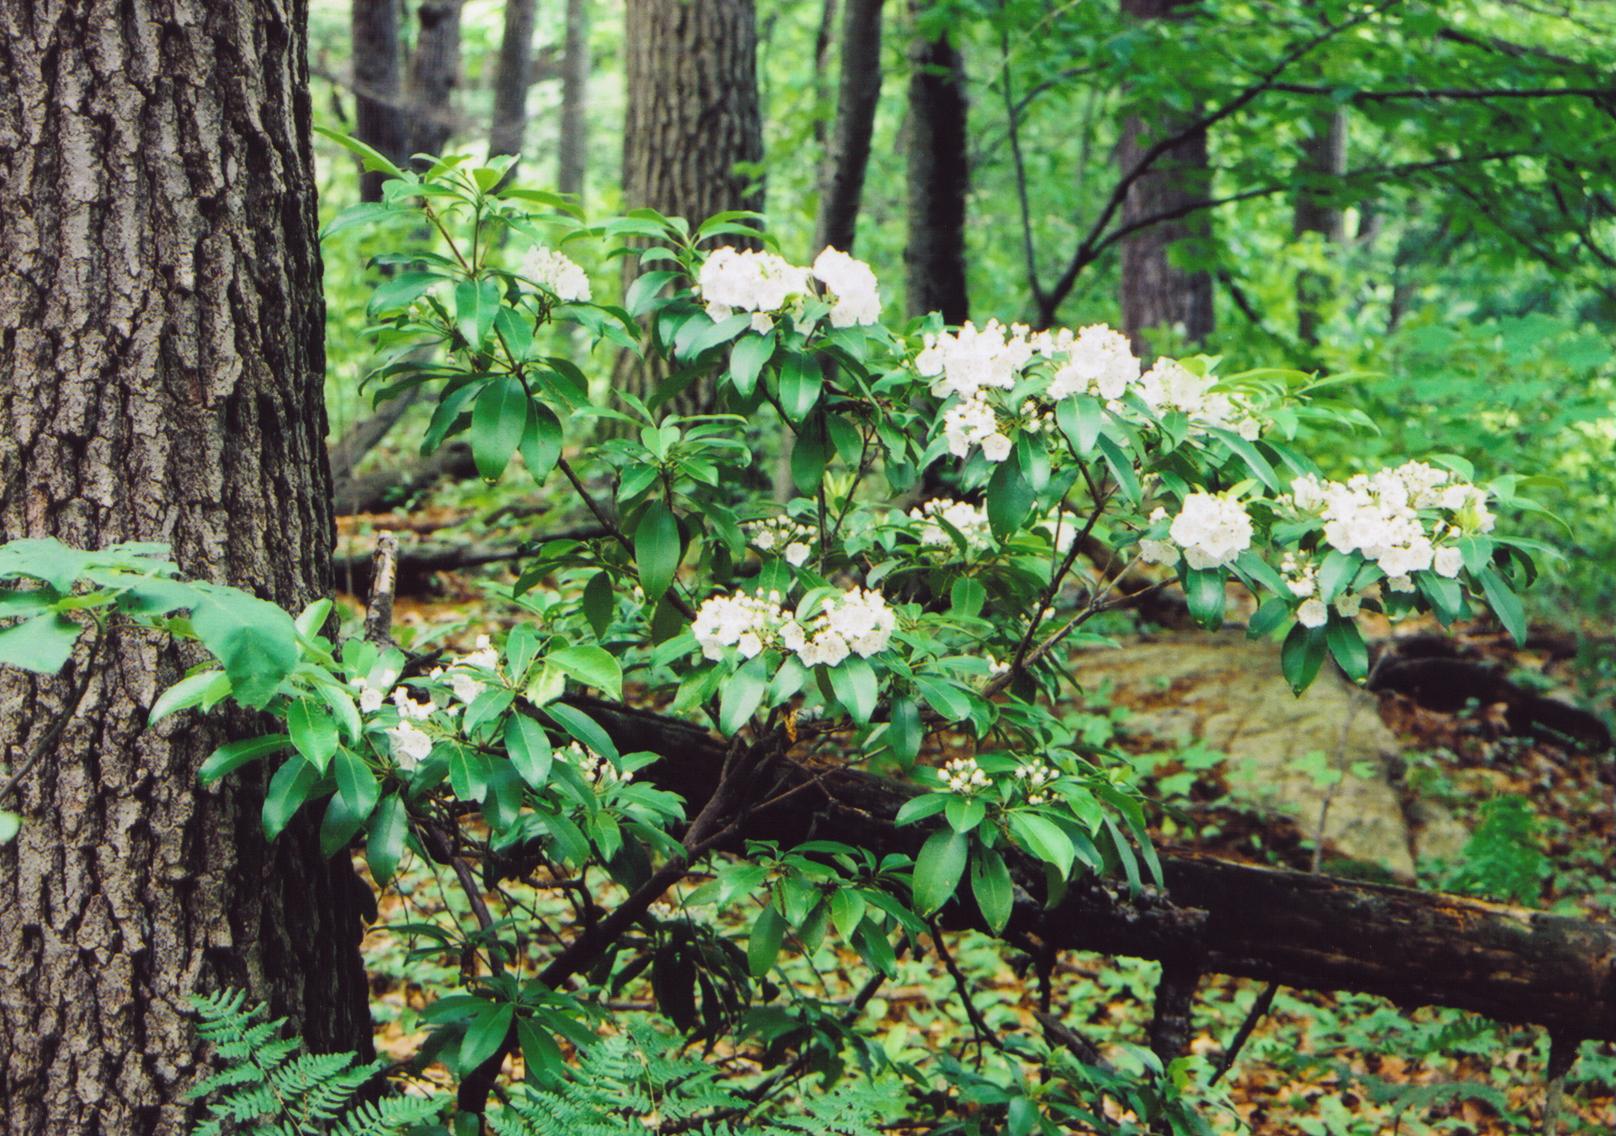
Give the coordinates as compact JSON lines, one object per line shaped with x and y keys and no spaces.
{"x":693,"y":126}
{"x":160,"y":331}
{"x":511,"y":80}
{"x":378,"y":72}
{"x":434,"y":75}
{"x":939,"y":178}
{"x":841,"y":182}
{"x":1214,"y":916}
{"x":572,"y":146}
{"x":1155,"y":293}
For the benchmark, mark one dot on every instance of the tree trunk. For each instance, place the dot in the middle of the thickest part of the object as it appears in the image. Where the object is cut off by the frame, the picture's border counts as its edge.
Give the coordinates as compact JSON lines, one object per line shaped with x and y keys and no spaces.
{"x":1324,"y":157}
{"x":1155,"y":293}
{"x":693,"y":127}
{"x":160,"y":333}
{"x":939,"y":178}
{"x":572,"y":147}
{"x":511,"y":80}
{"x":378,"y":87}
{"x":434,"y":74}
{"x":841,"y":183}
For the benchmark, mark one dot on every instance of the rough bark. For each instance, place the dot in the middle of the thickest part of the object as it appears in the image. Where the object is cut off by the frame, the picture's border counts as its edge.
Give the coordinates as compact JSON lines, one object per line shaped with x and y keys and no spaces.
{"x":1323,"y":157}
{"x":1155,"y":293}
{"x":693,"y":127}
{"x":511,"y":79}
{"x":572,"y":146}
{"x":160,"y":333}
{"x":434,"y":75}
{"x":939,"y":178}
{"x":841,"y":183}
{"x":1214,"y":916}
{"x":378,"y":76}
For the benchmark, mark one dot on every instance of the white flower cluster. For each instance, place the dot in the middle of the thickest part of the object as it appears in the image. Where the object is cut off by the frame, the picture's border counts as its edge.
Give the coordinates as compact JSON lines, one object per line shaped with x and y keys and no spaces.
{"x":1212,"y":531}
{"x":851,"y":287}
{"x":1302,"y":581}
{"x":970,"y":521}
{"x":557,"y":273}
{"x":969,"y":360}
{"x":1099,"y":362}
{"x":1378,"y":516}
{"x":593,"y":767}
{"x":1170,"y":386}
{"x":855,"y":623}
{"x":1034,"y":777}
{"x":791,"y":539}
{"x":465,"y":674}
{"x":964,"y":775}
{"x":971,"y":422}
{"x":747,"y":280}
{"x":410,"y":743}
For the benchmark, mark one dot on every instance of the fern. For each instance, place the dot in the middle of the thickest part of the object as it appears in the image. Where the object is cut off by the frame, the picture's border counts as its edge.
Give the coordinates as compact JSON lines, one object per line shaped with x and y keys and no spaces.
{"x":268,"y":1088}
{"x":636,"y":1083}
{"x":1503,"y":858}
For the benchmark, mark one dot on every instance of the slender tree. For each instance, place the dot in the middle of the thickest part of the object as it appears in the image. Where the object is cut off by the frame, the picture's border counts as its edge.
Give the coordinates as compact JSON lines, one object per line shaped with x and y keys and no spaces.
{"x":160,"y":333}
{"x":378,"y":74}
{"x":939,"y":179}
{"x":572,"y":147}
{"x":1323,"y":159}
{"x":434,"y":74}
{"x":1155,"y":291}
{"x":847,"y":157}
{"x":512,"y":77}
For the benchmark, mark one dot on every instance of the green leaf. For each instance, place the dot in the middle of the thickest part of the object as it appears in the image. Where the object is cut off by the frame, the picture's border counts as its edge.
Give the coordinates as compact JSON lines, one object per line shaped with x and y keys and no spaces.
{"x":183,"y":695}
{"x":541,"y":1057}
{"x":1505,"y":603}
{"x":374,"y":159}
{"x":990,"y":884}
{"x":709,"y":337}
{"x":476,"y":301}
{"x":598,"y":602}
{"x":313,"y":731}
{"x":233,"y":755}
{"x":921,"y":807}
{"x":1080,"y":418}
{"x":339,"y":825}
{"x":944,"y":697}
{"x":1253,"y":457}
{"x":529,"y":749}
{"x":1301,"y":655}
{"x":904,"y":731}
{"x":657,"y":549}
{"x":1010,"y":498}
{"x":742,"y":694}
{"x":964,"y":813}
{"x":1121,"y":468}
{"x":938,"y":869}
{"x":1044,"y":839}
{"x":1347,"y":646}
{"x":288,"y":789}
{"x":642,"y":294}
{"x":10,"y":825}
{"x":498,"y":423}
{"x":356,"y":784}
{"x":256,"y":641}
{"x":592,"y":667}
{"x":800,"y":384}
{"x":763,"y":944}
{"x":41,"y":644}
{"x":541,"y":441}
{"x":1203,"y":590}
{"x":468,"y":773}
{"x":485,"y":1035}
{"x":1336,"y":573}
{"x":582,"y":727}
{"x":746,"y":361}
{"x":856,"y":687}
{"x":967,"y":597}
{"x":389,"y":824}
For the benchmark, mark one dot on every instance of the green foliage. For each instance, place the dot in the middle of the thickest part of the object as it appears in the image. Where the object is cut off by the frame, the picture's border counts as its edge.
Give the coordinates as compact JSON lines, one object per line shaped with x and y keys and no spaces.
{"x":1503,"y":859}
{"x":268,"y":1088}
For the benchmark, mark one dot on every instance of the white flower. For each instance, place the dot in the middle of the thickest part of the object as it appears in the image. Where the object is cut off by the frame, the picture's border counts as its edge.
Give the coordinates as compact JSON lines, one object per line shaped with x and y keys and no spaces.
{"x":852,"y":286}
{"x":797,"y":553}
{"x":370,"y":698}
{"x":722,"y":621}
{"x":783,"y":535}
{"x":1348,"y":604}
{"x":762,"y":323}
{"x":964,"y":775}
{"x":410,"y":744}
{"x":970,"y":521}
{"x":857,"y":622}
{"x":966,"y":361}
{"x":1312,"y":613}
{"x":1447,"y":562}
{"x":408,"y":708}
{"x":968,"y":423}
{"x":1158,"y":551}
{"x":748,"y":281}
{"x":995,"y":447}
{"x":593,"y":767}
{"x":556,"y":273}
{"x":1212,"y":530}
{"x":1100,"y":362}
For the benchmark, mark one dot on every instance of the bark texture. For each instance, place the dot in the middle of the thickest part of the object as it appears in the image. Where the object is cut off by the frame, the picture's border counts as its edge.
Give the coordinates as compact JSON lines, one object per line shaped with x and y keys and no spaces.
{"x":1155,"y":293}
{"x":1323,"y":159}
{"x":693,"y":125}
{"x":434,"y":75}
{"x":939,"y":179}
{"x":847,"y":158}
{"x":378,"y":72}
{"x":572,"y":147}
{"x":160,"y":330}
{"x":511,"y":80}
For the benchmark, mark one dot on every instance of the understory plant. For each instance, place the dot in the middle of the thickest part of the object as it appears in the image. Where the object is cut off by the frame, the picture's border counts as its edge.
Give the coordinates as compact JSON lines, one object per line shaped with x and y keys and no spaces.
{"x":630,"y":782}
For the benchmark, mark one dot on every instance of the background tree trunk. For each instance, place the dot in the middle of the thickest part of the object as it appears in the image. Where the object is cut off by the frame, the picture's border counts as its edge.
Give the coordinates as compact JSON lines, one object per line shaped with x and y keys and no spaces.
{"x":511,"y":79}
{"x":841,"y":183}
{"x":693,"y":123}
{"x":434,"y":74}
{"x":939,"y":178}
{"x":160,"y":330}
{"x":572,"y":147}
{"x":1155,"y":293}
{"x":1324,"y":157}
{"x":378,"y":86}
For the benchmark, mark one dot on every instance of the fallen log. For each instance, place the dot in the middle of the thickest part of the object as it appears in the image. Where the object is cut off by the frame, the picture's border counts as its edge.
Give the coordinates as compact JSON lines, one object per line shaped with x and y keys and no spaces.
{"x":1218,"y":916}
{"x":385,"y":488}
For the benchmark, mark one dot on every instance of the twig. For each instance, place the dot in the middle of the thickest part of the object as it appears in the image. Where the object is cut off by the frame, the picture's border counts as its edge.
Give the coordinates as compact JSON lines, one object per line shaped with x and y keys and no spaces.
{"x":383,"y":584}
{"x":1259,"y":1009}
{"x":984,"y":1033}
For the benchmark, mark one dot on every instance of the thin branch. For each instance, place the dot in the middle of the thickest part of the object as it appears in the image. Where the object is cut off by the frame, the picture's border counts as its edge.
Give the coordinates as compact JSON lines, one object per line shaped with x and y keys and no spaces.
{"x":1013,"y":121}
{"x":383,"y":586}
{"x":1445,"y":93}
